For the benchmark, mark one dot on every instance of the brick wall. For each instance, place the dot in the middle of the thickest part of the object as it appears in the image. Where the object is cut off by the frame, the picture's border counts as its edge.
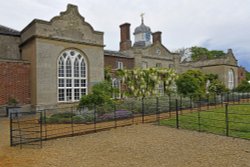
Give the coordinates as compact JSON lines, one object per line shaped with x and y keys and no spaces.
{"x":14,"y":81}
{"x":241,"y":74}
{"x":110,"y":61}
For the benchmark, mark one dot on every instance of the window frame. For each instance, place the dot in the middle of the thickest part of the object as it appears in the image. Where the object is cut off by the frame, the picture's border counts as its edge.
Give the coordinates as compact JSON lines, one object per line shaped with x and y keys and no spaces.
{"x":119,"y":65}
{"x":231,"y":79}
{"x":70,"y":87}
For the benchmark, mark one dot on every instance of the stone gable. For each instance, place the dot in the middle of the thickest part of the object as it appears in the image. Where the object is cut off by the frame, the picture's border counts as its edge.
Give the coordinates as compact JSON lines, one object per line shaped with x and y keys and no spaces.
{"x":69,"y":25}
{"x":158,"y":51}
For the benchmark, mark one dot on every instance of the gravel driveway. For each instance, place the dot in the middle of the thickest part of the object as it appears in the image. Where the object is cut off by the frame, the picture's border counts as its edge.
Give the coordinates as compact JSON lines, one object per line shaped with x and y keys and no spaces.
{"x":143,"y":145}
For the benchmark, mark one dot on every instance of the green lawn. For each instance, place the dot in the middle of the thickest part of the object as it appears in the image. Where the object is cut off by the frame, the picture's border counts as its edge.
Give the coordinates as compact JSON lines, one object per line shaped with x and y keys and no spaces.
{"x":213,"y":121}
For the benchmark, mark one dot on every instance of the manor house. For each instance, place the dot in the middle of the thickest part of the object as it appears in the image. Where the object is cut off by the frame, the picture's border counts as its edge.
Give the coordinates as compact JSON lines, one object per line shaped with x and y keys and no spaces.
{"x":53,"y":63}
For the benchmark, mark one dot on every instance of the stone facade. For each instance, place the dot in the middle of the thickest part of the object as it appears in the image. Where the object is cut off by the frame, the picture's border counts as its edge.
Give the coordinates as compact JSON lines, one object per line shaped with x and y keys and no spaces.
{"x":42,"y":44}
{"x":9,"y":47}
{"x":220,"y":66}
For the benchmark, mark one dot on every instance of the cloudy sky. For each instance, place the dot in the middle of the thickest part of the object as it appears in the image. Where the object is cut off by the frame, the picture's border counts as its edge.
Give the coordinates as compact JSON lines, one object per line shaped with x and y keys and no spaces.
{"x":214,"y":24}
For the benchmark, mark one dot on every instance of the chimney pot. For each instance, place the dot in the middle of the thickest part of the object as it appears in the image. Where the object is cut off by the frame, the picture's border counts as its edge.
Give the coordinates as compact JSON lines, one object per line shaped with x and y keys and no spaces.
{"x":125,"y":42}
{"x":156,"y":37}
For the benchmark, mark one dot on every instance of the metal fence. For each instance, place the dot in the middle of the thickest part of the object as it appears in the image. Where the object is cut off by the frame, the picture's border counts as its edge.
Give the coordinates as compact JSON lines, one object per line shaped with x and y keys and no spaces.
{"x":231,"y":120}
{"x":35,"y":127}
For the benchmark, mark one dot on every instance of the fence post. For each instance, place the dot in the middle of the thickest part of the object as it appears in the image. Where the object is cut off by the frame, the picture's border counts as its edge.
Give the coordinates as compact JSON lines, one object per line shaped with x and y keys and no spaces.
{"x":199,"y":117}
{"x":11,"y":129}
{"x":228,"y":97}
{"x":191,"y":105}
{"x":169,"y":105}
{"x":221,"y":99}
{"x":41,"y":129}
{"x":72,"y":126}
{"x":233,"y":97}
{"x":94,"y":117}
{"x":239,"y":95}
{"x":45,"y":124}
{"x":177,"y":114}
{"x":226,"y":119}
{"x":247,"y":96}
{"x":142,"y":108}
{"x":207,"y":101}
{"x":115,"y":115}
{"x":215,"y":100}
{"x":132,"y":110}
{"x":157,"y":111}
{"x":180,"y":108}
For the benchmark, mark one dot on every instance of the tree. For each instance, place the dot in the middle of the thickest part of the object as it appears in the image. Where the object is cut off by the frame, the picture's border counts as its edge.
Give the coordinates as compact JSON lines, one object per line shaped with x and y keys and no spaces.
{"x":199,"y":52}
{"x":144,"y":82}
{"x":248,"y":76}
{"x":101,"y":94}
{"x":107,"y":74}
{"x":191,"y":83}
{"x":244,"y":86}
{"x":215,"y":85}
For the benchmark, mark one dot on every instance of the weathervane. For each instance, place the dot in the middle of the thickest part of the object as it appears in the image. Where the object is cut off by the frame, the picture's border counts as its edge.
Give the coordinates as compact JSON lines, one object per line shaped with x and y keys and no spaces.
{"x":142,"y":15}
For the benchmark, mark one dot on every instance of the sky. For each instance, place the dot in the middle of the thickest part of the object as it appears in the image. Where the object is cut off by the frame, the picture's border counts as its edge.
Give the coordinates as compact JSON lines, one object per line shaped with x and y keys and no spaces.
{"x":214,"y":24}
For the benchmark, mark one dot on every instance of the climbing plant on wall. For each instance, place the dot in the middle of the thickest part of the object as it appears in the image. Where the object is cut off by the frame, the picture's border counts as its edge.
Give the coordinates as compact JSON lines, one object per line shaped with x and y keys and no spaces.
{"x":144,"y":82}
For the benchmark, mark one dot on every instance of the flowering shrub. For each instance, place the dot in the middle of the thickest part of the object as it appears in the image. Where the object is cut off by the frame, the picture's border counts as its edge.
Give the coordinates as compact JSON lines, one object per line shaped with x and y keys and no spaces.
{"x":120,"y":114}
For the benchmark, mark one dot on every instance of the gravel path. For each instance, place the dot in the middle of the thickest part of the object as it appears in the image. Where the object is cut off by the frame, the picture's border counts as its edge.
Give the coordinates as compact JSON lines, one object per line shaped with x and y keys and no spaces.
{"x":141,"y":145}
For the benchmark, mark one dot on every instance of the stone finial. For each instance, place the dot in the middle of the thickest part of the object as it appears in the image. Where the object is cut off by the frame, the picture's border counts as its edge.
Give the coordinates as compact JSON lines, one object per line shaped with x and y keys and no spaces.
{"x":71,"y":7}
{"x":230,"y":51}
{"x":142,"y":18}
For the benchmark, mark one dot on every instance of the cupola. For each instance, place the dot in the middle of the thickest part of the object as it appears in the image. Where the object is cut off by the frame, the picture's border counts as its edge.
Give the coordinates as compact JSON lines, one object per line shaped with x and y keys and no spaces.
{"x":142,"y":34}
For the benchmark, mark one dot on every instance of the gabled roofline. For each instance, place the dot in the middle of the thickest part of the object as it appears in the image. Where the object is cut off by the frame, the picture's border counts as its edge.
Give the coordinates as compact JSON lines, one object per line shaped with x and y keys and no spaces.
{"x":70,"y":7}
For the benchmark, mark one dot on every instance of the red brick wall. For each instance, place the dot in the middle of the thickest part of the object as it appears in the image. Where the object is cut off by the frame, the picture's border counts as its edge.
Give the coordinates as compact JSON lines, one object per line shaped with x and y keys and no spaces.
{"x":14,"y":81}
{"x":110,"y":61}
{"x":241,"y":74}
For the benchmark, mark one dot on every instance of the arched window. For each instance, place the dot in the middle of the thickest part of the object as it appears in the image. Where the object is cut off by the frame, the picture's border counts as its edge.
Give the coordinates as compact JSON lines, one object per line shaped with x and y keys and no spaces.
{"x":230,"y":79}
{"x":72,"y":76}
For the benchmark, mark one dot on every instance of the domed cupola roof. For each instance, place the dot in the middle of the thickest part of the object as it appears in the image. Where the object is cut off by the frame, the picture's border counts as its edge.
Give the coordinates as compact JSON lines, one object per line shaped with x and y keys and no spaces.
{"x":142,"y":35}
{"x":142,"y":28}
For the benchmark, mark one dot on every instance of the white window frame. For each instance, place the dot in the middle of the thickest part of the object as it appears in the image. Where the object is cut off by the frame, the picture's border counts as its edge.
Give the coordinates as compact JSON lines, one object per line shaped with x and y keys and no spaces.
{"x":230,"y":79}
{"x":119,"y":65}
{"x":71,"y":87}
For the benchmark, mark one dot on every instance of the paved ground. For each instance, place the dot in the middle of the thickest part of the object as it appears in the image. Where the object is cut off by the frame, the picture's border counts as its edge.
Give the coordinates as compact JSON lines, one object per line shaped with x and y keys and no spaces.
{"x":141,"y":145}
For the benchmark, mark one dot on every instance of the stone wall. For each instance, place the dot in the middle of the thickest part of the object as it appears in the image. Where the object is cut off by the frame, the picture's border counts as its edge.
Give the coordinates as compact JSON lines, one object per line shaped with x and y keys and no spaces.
{"x":43,"y":43}
{"x":9,"y":47}
{"x":15,"y":81}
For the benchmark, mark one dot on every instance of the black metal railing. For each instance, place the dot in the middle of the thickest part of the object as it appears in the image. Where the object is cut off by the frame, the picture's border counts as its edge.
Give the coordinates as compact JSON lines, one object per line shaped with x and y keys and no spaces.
{"x":231,"y":120}
{"x":61,"y":122}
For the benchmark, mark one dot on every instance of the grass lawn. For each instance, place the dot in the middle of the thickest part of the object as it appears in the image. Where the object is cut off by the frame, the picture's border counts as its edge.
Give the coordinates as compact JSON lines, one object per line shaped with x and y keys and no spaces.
{"x":214,"y":121}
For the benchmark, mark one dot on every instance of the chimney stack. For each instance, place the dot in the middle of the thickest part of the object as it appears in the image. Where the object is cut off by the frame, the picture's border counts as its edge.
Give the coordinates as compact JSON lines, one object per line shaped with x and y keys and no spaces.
{"x":156,"y":37}
{"x":125,"y":42}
